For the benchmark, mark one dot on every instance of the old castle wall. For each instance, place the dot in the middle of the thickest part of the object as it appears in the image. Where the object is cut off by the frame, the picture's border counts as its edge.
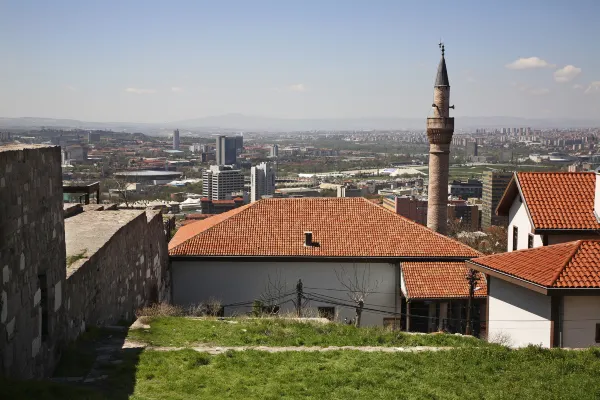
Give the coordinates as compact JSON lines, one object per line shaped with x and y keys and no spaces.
{"x":32,"y":260}
{"x":123,"y":268}
{"x":118,"y":262}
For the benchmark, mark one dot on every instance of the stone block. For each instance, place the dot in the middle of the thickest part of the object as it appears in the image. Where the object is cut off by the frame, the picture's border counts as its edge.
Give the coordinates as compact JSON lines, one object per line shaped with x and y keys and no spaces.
{"x":5,"y":275}
{"x":57,"y":296}
{"x":4,"y":313}
{"x":36,"y":343}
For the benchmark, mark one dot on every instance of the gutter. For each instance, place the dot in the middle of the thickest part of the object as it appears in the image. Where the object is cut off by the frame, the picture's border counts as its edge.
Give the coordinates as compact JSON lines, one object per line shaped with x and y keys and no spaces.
{"x":390,"y":260}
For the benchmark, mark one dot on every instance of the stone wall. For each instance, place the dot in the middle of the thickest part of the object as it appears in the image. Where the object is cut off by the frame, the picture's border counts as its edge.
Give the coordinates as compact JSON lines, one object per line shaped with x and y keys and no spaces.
{"x":118,"y":264}
{"x":59,"y":276}
{"x":32,"y":260}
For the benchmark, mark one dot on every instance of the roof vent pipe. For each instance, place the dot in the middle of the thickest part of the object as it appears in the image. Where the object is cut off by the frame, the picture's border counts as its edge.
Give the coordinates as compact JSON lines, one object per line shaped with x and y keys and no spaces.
{"x":308,"y":239}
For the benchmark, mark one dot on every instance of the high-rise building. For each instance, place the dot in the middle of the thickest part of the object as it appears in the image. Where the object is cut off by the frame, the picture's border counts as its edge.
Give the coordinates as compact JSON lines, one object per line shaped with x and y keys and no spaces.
{"x":262,"y":181}
{"x":494,"y":185}
{"x":440,"y":128}
{"x":274,"y":153}
{"x":176,"y":139}
{"x":220,"y":181}
{"x":239,"y":145}
{"x":471,"y":149}
{"x":227,"y":150}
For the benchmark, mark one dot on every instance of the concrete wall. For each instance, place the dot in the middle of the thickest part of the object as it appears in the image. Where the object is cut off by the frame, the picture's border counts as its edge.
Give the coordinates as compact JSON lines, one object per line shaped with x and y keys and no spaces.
{"x":31,"y":247}
{"x":124,"y":266}
{"x":233,"y":282}
{"x":580,"y":316}
{"x":518,"y":314}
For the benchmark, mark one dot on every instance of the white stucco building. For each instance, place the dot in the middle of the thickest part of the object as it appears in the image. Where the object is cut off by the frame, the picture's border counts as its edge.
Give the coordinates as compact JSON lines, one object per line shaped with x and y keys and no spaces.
{"x":548,"y":296}
{"x":261,"y":250}
{"x":546,"y":208}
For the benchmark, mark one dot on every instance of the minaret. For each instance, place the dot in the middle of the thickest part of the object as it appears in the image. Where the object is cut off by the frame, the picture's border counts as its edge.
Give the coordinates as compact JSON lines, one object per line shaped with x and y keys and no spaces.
{"x":440,"y":128}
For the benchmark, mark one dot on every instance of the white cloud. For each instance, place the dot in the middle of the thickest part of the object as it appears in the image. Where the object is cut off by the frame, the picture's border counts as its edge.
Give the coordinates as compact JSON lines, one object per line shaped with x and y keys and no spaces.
{"x":298,"y":87}
{"x":140,"y":91}
{"x":593,"y":88}
{"x":470,"y":79}
{"x":577,"y":86}
{"x":566,"y":74}
{"x":176,"y":89}
{"x":528,"y":63}
{"x":538,"y":91}
{"x":71,"y":88}
{"x":531,"y":90}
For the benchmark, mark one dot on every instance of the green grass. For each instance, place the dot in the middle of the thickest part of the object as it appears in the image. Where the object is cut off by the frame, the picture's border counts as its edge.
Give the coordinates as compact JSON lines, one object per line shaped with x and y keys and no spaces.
{"x":75,"y":257}
{"x":174,"y":331}
{"x":490,"y":373}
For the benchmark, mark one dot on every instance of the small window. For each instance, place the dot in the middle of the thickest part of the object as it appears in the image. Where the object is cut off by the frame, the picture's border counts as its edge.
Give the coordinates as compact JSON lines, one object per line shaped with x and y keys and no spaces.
{"x":43,"y":284}
{"x":530,"y":241}
{"x":597,"y":333}
{"x":515,"y":243}
{"x":327,"y":312}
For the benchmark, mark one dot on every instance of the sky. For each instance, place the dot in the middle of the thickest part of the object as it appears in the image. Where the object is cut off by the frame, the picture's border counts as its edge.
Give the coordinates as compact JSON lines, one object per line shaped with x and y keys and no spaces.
{"x":163,"y":61}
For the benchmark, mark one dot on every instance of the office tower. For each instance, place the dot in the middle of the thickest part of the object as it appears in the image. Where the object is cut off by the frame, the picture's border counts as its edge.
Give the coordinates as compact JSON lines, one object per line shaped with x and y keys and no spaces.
{"x":440,"y":128}
{"x":262,"y":181}
{"x":226,"y":150}
{"x":220,"y":181}
{"x":239,"y":145}
{"x":494,"y":185}
{"x":274,"y":153}
{"x":176,"y":139}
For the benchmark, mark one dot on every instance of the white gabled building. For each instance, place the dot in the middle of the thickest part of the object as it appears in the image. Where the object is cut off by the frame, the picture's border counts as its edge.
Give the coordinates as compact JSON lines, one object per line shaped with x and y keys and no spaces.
{"x":546,"y":208}
{"x":262,"y":249}
{"x":548,"y":296}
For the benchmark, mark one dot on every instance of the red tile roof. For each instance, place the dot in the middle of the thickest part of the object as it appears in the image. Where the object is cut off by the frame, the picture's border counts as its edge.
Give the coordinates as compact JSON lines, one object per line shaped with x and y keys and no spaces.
{"x":566,"y":265}
{"x":559,"y":200}
{"x":343,"y":227}
{"x":439,"y":280}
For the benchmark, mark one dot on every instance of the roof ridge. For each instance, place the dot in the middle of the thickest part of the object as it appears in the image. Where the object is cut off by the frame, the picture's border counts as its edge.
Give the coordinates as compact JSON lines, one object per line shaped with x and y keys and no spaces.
{"x":567,"y":261}
{"x":536,"y":249}
{"x":555,"y":172}
{"x":421,"y":226}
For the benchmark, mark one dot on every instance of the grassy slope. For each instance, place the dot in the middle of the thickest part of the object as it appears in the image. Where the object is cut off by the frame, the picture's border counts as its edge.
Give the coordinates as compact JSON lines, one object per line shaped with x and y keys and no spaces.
{"x":490,"y":373}
{"x":173,"y":331}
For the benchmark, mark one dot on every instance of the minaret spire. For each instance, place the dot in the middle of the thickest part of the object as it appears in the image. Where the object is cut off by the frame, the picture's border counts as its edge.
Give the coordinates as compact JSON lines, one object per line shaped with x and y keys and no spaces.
{"x":440,"y":128}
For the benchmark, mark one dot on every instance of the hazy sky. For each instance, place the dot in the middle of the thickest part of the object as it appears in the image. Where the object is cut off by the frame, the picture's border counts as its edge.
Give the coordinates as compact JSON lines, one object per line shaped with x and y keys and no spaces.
{"x":151,"y":61}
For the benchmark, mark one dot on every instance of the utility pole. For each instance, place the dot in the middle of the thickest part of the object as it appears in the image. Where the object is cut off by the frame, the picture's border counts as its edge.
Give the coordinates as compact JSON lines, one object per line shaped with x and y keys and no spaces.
{"x":299,"y":296}
{"x":472,"y":278}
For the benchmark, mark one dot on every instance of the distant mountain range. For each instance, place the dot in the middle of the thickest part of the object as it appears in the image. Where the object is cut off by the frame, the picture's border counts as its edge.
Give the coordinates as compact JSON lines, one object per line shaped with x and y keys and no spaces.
{"x":240,"y":122}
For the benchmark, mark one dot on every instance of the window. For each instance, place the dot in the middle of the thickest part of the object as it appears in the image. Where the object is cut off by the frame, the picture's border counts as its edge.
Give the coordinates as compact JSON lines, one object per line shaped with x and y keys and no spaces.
{"x":515,"y":243}
{"x":597,"y":333}
{"x":544,"y":240}
{"x":43,"y":284}
{"x":327,"y":312}
{"x":530,"y":241}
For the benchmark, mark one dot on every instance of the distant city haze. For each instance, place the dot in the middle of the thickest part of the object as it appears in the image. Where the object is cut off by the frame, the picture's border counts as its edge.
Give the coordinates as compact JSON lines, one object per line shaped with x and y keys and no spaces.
{"x":286,"y":65}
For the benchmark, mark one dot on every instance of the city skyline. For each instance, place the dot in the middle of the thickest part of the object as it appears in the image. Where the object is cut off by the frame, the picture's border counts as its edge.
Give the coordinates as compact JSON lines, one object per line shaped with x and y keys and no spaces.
{"x":151,"y":62}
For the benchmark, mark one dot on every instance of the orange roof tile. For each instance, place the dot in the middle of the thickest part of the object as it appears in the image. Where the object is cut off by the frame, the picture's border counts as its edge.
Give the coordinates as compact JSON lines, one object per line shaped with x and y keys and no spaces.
{"x":566,"y":265}
{"x":343,"y":227}
{"x":560,"y":200}
{"x":439,"y":280}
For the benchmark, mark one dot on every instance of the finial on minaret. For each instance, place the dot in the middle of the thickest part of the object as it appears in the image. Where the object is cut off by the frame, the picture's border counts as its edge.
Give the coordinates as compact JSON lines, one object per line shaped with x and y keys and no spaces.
{"x":441,"y":44}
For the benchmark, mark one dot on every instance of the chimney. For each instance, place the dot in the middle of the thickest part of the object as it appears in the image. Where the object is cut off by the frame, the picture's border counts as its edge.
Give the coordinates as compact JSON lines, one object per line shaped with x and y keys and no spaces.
{"x":308,"y":239}
{"x":597,"y":198}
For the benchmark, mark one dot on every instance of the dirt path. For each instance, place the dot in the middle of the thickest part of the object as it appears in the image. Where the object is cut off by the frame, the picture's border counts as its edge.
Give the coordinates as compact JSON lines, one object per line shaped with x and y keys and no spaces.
{"x":278,"y":349}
